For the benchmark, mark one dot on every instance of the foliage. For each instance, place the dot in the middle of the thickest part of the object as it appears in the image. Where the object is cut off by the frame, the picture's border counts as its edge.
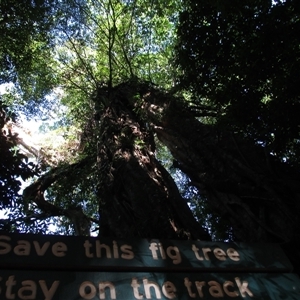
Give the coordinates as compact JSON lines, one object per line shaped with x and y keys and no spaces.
{"x":23,"y":26}
{"x":25,"y":30}
{"x":28,"y":34}
{"x":13,"y":165}
{"x":119,"y":40}
{"x":243,"y":59}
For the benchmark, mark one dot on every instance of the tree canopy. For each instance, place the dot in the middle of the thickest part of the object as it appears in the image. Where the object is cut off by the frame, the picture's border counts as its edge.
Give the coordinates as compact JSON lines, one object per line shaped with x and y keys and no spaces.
{"x":178,"y":119}
{"x":243,"y":58}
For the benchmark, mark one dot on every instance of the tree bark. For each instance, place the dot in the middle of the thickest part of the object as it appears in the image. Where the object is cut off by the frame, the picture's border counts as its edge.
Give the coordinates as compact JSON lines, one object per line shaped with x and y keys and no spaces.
{"x":259,"y":195}
{"x":137,"y":196}
{"x":236,"y":177}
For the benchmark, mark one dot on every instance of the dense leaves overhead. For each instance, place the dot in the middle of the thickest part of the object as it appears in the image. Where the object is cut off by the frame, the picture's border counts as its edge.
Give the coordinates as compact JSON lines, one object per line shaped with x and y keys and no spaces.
{"x":243,"y":57}
{"x":24,"y":28}
{"x":29,"y":32}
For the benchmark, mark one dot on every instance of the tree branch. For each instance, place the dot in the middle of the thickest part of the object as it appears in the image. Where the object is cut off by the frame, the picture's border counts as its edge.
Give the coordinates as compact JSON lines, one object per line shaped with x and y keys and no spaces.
{"x":35,"y":193}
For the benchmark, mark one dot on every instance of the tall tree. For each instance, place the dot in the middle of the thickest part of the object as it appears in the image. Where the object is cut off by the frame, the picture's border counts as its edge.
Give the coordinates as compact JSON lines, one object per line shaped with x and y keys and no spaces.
{"x":122,"y":106}
{"x":118,"y":41}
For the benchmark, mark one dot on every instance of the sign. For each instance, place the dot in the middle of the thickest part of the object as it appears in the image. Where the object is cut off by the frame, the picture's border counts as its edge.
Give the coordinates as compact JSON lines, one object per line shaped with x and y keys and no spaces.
{"x":88,"y":253}
{"x":129,"y":286}
{"x":42,"y":267}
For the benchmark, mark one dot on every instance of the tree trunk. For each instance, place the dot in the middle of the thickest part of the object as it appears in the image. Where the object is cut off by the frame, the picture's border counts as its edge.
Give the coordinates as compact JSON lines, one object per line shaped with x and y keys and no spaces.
{"x":242,"y":182}
{"x":259,"y":195}
{"x":137,"y":196}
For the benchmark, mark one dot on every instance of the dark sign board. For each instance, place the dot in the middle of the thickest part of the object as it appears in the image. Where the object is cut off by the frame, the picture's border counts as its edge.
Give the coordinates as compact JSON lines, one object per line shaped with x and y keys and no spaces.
{"x":51,"y":285}
{"x":88,"y":253}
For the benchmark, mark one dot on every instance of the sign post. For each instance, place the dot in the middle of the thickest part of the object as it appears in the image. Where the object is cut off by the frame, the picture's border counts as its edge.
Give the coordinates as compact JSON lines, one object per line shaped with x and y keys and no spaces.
{"x":69,"y":268}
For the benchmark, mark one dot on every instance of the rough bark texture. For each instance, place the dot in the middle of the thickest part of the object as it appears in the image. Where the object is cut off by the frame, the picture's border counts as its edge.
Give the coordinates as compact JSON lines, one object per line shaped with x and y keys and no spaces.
{"x":259,"y":195}
{"x":241,"y":181}
{"x":138,"y":198}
